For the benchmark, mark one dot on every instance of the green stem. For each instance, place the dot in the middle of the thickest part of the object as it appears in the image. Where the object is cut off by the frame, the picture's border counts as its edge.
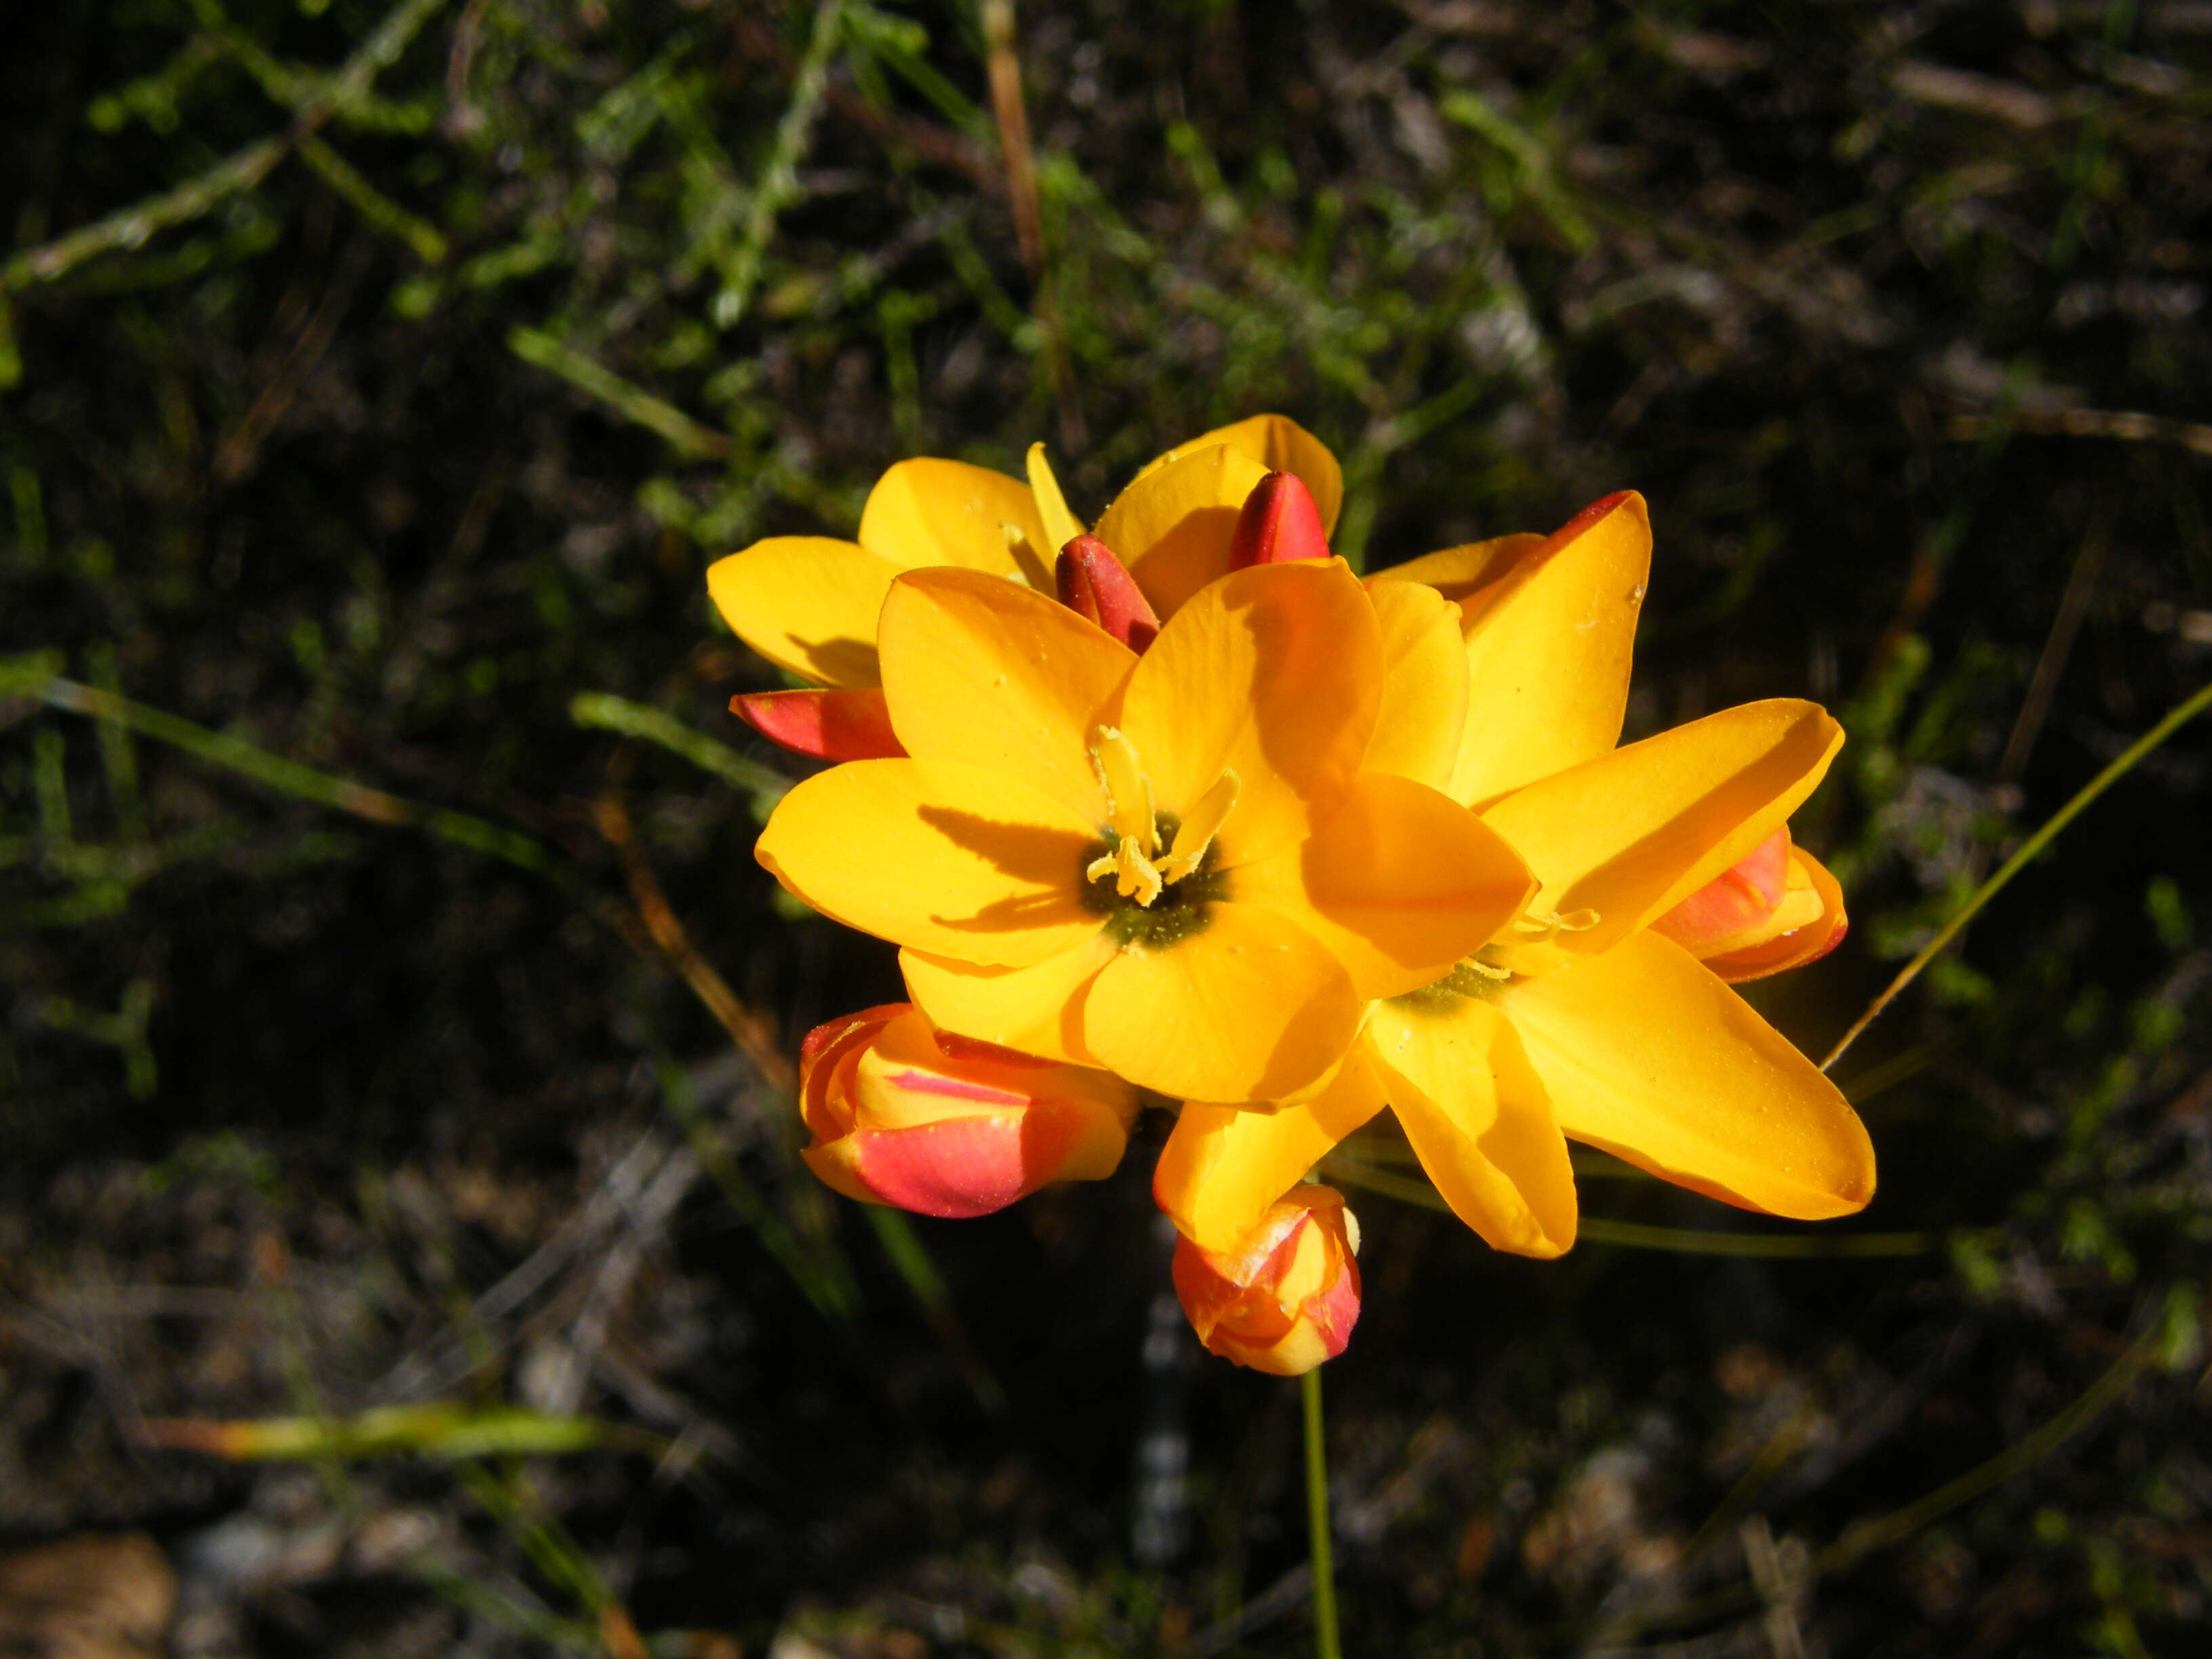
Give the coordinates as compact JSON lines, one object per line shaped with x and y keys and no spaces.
{"x":1326,"y":1644}
{"x":2020,"y":859}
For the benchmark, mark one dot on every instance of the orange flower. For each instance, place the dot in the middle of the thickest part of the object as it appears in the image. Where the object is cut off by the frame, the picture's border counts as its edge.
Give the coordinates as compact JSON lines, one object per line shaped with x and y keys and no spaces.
{"x":905,"y":1114}
{"x":1285,"y":1295}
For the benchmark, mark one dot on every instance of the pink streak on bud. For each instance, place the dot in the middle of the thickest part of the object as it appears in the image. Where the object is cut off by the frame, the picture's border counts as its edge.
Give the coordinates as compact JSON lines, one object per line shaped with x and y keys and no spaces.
{"x":833,"y":726}
{"x":1279,"y":523}
{"x":953,"y":1088}
{"x":1099,"y":587}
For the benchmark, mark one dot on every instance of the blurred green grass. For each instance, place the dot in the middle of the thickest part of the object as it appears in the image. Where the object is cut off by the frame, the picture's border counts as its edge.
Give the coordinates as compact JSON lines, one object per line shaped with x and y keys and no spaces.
{"x":379,"y":382}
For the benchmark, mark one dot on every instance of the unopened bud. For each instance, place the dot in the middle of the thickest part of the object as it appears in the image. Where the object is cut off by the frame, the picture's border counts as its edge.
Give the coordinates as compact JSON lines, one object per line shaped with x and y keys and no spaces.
{"x":905,"y":1114}
{"x":1286,"y":1295}
{"x":1773,"y":908}
{"x":1098,"y":586}
{"x":1279,"y":523}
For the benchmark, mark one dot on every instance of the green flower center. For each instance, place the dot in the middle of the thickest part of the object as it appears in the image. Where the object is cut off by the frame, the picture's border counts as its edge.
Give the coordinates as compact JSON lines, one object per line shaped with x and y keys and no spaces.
{"x":1473,"y":977}
{"x":1181,"y":908}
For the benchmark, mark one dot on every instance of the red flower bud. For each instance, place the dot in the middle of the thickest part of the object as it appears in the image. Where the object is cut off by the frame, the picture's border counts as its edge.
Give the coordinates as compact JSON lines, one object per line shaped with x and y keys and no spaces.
{"x":1099,"y":586}
{"x":835,"y":726}
{"x":1279,"y":523}
{"x":904,"y":1114}
{"x":1286,"y":1295}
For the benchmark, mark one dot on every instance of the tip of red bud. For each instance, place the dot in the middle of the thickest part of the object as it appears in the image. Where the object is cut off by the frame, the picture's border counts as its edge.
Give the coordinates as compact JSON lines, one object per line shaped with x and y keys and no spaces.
{"x":1589,"y":515}
{"x":832,"y":726}
{"x":1279,"y":523}
{"x":1099,"y":587}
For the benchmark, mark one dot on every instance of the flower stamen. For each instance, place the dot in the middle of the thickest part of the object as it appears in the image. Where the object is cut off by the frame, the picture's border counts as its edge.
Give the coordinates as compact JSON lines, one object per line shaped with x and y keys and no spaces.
{"x":1538,"y":926}
{"x":1133,"y":829}
{"x":1195,"y":834}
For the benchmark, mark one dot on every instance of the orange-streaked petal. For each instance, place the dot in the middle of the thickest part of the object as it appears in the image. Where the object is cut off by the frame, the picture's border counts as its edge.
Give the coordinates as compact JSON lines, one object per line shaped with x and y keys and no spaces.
{"x":1424,"y":704}
{"x":1399,"y":882}
{"x":1479,"y":1120}
{"x":852,"y":724}
{"x":980,"y":671}
{"x":1273,"y":673}
{"x":1548,"y":641}
{"x":945,"y":858}
{"x":1649,"y":1056}
{"x":928,"y":511}
{"x":1173,"y":527}
{"x":1275,"y":443}
{"x":1037,"y":1010}
{"x":1224,"y":1166}
{"x":1249,"y":1006}
{"x":807,"y":604}
{"x":1631,"y":834}
{"x":1801,"y":945}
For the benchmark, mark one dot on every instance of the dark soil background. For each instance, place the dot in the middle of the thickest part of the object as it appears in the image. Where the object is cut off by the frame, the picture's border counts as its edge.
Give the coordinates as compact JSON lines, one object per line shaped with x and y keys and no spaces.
{"x":379,"y":384}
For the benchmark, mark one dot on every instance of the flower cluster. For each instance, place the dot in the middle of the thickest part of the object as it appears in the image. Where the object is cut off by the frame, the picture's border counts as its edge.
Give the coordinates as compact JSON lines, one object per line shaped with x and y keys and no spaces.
{"x":1178,"y":811}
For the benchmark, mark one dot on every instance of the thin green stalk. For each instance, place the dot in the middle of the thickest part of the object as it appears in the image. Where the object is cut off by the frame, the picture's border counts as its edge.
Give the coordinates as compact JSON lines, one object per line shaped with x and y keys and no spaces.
{"x":2020,"y":860}
{"x":603,"y":711}
{"x":290,"y":777}
{"x":687,"y":436}
{"x":1326,"y":1642}
{"x":1634,"y":1235}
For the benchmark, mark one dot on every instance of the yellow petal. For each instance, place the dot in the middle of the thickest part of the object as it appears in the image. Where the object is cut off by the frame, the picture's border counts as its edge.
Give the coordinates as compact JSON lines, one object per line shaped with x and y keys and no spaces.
{"x":1224,"y":1166}
{"x":927,"y":511}
{"x":1470,"y":576}
{"x":1424,"y":709}
{"x":1277,"y":444}
{"x":1037,"y":1010}
{"x":1171,"y":528}
{"x":1060,"y":526}
{"x":1249,"y":1006}
{"x":1632,"y":833}
{"x":1479,"y":1120}
{"x":807,"y":604}
{"x":1549,"y":632}
{"x":1649,"y":1056}
{"x":1273,"y":673}
{"x":946,"y":857}
{"x":979,"y":669}
{"x":1399,"y":882}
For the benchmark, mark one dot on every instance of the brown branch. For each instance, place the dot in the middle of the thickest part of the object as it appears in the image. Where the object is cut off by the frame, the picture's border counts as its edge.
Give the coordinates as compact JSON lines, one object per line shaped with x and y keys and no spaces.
{"x":752,"y":1031}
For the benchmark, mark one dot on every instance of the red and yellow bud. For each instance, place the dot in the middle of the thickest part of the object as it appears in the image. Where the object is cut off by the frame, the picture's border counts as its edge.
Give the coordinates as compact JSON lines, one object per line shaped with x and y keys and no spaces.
{"x":1776,"y":908}
{"x":1097,"y":587}
{"x":1286,"y":1295}
{"x":905,"y":1114}
{"x":1279,"y":522}
{"x":833,"y":726}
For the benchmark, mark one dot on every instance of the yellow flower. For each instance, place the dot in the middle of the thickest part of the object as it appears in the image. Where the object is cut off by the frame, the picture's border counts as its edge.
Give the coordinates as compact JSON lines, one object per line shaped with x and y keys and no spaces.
{"x":1172,"y":867}
{"x":809,"y":604}
{"x":1582,"y":1020}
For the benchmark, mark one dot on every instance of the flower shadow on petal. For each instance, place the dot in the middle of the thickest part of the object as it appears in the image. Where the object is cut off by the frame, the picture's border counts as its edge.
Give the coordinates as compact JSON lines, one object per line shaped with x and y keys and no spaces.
{"x":840,"y":662}
{"x":1028,"y":856}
